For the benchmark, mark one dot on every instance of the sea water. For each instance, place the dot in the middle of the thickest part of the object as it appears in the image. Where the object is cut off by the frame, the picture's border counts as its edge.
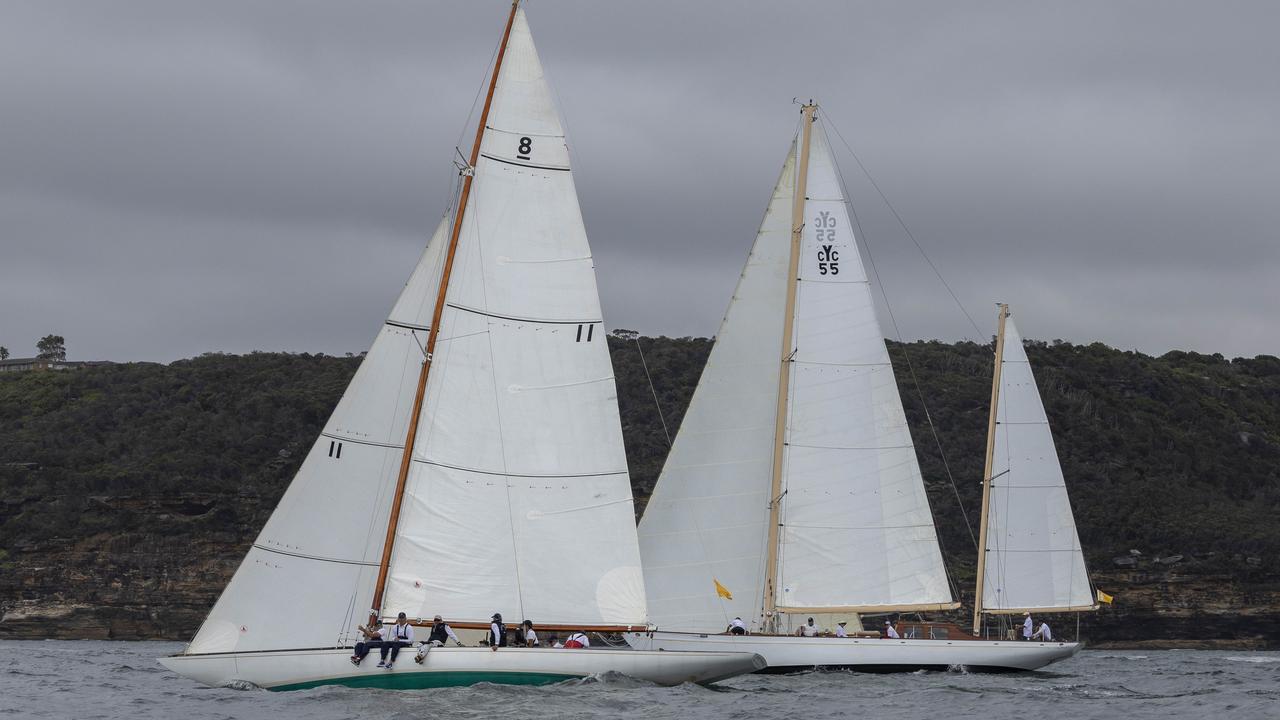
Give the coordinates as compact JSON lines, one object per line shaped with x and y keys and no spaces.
{"x":123,"y":681}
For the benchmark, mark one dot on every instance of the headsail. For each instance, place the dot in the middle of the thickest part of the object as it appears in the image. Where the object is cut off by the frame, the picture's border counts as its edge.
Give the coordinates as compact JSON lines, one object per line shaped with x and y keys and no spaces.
{"x":308,"y":578}
{"x":519,"y":499}
{"x":1033,"y":555}
{"x":706,"y":522}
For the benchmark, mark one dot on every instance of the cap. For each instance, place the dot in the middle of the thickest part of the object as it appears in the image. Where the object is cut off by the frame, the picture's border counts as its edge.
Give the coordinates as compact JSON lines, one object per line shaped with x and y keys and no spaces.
{"x":438,"y":618}
{"x":496,"y":616}
{"x":843,"y":622}
{"x":401,"y":616}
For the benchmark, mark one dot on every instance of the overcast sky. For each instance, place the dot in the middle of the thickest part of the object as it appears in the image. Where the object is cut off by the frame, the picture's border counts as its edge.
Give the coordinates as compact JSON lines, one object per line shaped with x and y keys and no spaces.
{"x":182,"y":177}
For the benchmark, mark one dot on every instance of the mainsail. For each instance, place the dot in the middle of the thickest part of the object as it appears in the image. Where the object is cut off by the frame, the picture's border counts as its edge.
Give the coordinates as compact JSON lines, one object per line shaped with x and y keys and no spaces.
{"x":856,"y":532}
{"x":1033,"y":555}
{"x":518,"y":497}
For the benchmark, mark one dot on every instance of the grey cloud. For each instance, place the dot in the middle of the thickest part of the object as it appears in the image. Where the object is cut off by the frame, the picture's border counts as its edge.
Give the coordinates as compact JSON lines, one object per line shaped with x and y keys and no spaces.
{"x":177,"y":177}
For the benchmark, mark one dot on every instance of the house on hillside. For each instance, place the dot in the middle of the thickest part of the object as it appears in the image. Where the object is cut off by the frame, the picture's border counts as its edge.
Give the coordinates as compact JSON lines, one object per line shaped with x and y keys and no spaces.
{"x":27,"y":364}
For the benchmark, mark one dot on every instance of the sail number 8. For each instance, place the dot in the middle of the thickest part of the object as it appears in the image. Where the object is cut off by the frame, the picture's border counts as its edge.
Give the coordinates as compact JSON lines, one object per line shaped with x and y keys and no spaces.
{"x":828,"y":257}
{"x":525,"y":148}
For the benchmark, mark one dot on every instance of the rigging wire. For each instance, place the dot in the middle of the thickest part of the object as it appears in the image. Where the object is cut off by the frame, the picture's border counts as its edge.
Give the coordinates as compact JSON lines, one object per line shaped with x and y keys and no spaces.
{"x":905,"y":229}
{"x":653,"y":391}
{"x":898,"y":332}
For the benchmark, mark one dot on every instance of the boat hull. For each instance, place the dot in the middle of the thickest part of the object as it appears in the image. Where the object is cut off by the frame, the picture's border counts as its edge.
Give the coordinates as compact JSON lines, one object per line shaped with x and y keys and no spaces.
{"x":454,"y":666}
{"x":793,"y":654}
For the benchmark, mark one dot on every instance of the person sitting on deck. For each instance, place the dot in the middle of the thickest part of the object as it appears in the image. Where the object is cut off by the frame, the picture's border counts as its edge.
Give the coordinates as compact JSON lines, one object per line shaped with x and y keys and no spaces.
{"x":840,"y":631}
{"x":397,"y":636}
{"x":1043,"y":632}
{"x":372,"y":639}
{"x":440,"y":632}
{"x":1027,"y":626}
{"x":554,"y":641}
{"x":528,"y":635}
{"x":577,"y":640}
{"x":737,"y":627}
{"x":808,"y":629}
{"x":889,"y":630}
{"x":497,"y":633}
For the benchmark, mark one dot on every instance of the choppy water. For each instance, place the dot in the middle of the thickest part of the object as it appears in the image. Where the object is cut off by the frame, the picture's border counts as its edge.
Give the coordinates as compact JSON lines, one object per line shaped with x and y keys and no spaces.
{"x":122,"y":681}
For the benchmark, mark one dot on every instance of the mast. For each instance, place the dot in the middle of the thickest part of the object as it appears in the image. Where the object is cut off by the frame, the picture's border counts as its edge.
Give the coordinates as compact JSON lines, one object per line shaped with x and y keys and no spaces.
{"x":434,"y":331}
{"x":784,"y":371}
{"x":986,"y":473}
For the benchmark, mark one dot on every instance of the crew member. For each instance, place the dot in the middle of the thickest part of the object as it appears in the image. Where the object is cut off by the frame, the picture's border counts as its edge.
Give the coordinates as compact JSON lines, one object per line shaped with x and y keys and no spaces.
{"x":440,"y":632}
{"x":1043,"y":632}
{"x":808,"y":629}
{"x":497,"y":633}
{"x":577,"y":640}
{"x":372,"y":639}
{"x":397,"y":636}
{"x":840,"y":631}
{"x":526,"y":632}
{"x":1027,"y":627}
{"x":737,"y":627}
{"x":890,"y":631}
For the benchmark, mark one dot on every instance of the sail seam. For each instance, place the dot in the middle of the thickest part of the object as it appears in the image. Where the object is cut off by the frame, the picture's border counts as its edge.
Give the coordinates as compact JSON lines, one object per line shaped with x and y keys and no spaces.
{"x":407,"y":326}
{"x":525,"y":165}
{"x":510,"y":474}
{"x":475,"y":311}
{"x":331,"y":436}
{"x":847,"y":447}
{"x":317,"y":558}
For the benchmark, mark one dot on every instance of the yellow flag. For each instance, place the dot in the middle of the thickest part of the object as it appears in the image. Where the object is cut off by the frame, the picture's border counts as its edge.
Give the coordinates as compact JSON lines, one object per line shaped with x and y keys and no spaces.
{"x":1104,"y":598}
{"x":721,"y":590}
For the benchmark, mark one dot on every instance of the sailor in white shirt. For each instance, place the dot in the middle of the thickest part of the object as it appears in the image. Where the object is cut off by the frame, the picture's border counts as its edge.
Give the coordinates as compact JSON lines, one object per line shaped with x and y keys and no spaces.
{"x":889,"y":630}
{"x":737,"y":627}
{"x":395,"y":637}
{"x":577,"y":640}
{"x":808,"y":629}
{"x":1044,"y":633}
{"x":530,"y":637}
{"x":840,"y":631}
{"x":1027,"y":627}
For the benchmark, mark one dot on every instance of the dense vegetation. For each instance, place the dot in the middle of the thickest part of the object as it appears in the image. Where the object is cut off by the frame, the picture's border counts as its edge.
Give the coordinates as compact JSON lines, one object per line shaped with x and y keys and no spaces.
{"x":1172,"y":454}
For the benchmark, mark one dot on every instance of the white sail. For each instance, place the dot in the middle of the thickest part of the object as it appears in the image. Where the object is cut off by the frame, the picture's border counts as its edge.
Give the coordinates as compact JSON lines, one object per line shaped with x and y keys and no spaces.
{"x":519,"y":500}
{"x":707,"y":520}
{"x":857,"y":532}
{"x":308,"y":578}
{"x":1034,"y":560}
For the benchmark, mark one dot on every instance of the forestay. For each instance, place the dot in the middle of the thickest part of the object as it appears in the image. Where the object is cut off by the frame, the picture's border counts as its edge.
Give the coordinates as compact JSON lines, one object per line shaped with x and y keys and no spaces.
{"x":308,"y":579}
{"x":707,"y":519}
{"x":1034,"y":561}
{"x":518,"y":499}
{"x":857,"y":532}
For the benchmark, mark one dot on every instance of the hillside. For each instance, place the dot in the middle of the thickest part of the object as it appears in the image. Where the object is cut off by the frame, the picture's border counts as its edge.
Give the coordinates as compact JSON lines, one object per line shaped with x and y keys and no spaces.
{"x":149,"y":481}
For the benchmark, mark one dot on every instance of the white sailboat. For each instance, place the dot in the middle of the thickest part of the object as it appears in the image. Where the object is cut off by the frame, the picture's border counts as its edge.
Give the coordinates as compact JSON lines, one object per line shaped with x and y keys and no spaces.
{"x":474,"y":464}
{"x":1032,"y":559}
{"x":792,"y":488}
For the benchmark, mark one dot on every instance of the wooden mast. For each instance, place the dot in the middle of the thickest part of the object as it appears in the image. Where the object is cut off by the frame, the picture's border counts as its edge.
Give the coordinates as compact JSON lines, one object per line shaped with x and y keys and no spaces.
{"x":986,"y":473}
{"x":784,"y":371}
{"x":433,"y":332}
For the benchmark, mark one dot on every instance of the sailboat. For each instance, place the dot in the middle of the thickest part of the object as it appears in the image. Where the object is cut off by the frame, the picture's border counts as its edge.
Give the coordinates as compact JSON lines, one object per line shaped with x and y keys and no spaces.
{"x":475,"y":463}
{"x":792,"y":489}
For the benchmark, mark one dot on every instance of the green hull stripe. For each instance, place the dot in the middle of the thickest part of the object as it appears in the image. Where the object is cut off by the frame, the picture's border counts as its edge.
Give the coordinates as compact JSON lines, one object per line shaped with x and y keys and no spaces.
{"x":392,"y":680}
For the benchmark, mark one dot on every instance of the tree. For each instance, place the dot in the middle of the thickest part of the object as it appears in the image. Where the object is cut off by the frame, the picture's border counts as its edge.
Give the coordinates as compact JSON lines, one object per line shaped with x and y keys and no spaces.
{"x":52,"y":347}
{"x":4,"y":353}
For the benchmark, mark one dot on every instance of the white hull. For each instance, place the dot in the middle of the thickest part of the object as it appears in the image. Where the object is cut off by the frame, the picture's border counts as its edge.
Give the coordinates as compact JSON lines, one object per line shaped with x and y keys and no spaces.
{"x":451,"y":666}
{"x":787,"y":653}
